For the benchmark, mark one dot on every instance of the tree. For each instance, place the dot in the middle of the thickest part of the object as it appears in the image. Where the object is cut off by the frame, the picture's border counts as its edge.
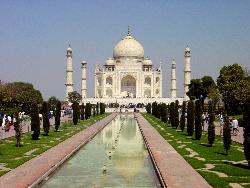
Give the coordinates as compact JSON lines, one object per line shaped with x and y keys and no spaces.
{"x":88,"y":110}
{"x":58,"y":115}
{"x":211,"y":127}
{"x":148,"y":108}
{"x":46,"y":124}
{"x":246,"y":124}
{"x":172,"y":114}
{"x":164,"y":113}
{"x":176,"y":114}
{"x":75,"y":107}
{"x":195,"y":89}
{"x":74,"y":97}
{"x":97,"y":108}
{"x":183,"y":116}
{"x":102,"y":108}
{"x":82,"y":107}
{"x":190,"y":118}
{"x":226,"y":134}
{"x":231,"y":82}
{"x":18,"y":129}
{"x":35,"y":122}
{"x":154,"y":108}
{"x":94,"y":109}
{"x":198,"y":128}
{"x":52,"y":102}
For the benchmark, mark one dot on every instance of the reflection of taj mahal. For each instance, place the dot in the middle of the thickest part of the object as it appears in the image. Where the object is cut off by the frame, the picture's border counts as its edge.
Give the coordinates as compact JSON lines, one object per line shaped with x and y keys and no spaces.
{"x":128,"y":77}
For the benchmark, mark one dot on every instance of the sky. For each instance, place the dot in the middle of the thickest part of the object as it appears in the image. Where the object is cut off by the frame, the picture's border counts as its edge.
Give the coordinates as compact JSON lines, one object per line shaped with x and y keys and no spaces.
{"x":34,"y":36}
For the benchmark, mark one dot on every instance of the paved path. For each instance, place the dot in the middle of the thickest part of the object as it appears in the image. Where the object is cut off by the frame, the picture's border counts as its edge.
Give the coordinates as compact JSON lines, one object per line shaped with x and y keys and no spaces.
{"x":26,"y":128}
{"x":173,"y":169}
{"x":237,"y":138}
{"x":34,"y":170}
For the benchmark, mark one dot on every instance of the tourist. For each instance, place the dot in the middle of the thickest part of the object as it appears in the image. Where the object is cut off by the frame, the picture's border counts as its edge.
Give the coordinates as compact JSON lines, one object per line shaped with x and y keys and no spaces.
{"x":203,"y":117}
{"x":104,"y":169}
{"x":235,"y":125}
{"x":221,"y":123}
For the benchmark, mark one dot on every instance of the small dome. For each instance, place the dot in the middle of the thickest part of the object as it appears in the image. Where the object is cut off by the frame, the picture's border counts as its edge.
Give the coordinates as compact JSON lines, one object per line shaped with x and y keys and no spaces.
{"x":128,"y":47}
{"x":147,"y":61}
{"x":69,"y":49}
{"x":187,"y":49}
{"x":109,"y":61}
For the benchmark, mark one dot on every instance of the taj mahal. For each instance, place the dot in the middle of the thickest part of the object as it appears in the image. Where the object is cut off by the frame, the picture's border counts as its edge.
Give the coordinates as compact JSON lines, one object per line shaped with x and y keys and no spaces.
{"x":128,"y":77}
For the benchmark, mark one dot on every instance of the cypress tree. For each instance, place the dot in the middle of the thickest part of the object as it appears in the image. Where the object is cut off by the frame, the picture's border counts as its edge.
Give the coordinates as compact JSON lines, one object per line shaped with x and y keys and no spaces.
{"x":226,"y":134}
{"x":211,"y":127}
{"x":172,"y":114}
{"x":246,"y":124}
{"x":102,"y":108}
{"x":190,"y":118}
{"x":82,"y":111}
{"x":148,"y":108}
{"x":164,"y":113}
{"x":158,"y":111}
{"x":183,"y":114}
{"x":176,"y":114}
{"x":35,"y":122}
{"x":18,"y":129}
{"x":198,"y":127}
{"x":94,"y":109}
{"x":154,"y":108}
{"x":58,"y":115}
{"x":46,"y":124}
{"x":75,"y":113}
{"x":97,"y":108}
{"x":88,"y":111}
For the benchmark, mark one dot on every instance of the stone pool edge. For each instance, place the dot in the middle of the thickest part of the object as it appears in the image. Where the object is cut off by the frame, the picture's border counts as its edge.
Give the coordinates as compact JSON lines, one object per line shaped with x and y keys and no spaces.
{"x":171,"y":167}
{"x":33,"y":172}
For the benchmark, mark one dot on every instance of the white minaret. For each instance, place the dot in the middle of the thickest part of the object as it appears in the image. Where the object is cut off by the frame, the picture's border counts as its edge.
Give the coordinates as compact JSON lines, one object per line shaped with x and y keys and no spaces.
{"x":173,"y":79}
{"x":187,"y":72}
{"x":84,"y":81}
{"x":69,"y":73}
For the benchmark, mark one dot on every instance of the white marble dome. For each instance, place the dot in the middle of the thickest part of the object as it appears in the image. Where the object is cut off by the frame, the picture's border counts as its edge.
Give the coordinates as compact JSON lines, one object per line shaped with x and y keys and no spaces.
{"x":128,"y":47}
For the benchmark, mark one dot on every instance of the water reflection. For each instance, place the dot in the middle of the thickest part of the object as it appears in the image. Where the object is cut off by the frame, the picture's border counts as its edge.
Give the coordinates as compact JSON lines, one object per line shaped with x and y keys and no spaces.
{"x":119,"y":149}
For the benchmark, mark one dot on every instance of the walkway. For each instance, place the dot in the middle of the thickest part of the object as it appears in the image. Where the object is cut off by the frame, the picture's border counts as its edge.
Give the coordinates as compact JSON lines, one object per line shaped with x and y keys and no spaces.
{"x":33,"y":171}
{"x":237,"y":138}
{"x":173,"y":169}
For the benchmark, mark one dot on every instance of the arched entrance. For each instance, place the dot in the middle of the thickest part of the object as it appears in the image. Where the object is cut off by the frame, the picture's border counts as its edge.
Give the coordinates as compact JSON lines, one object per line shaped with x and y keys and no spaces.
{"x":128,"y":86}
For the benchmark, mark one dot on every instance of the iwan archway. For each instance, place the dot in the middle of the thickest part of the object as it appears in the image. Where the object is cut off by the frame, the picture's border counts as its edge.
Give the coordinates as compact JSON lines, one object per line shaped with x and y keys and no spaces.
{"x":128,"y":86}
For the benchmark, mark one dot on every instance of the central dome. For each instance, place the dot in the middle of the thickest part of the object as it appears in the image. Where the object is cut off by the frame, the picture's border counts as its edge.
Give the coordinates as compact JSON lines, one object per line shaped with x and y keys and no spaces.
{"x":128,"y":47}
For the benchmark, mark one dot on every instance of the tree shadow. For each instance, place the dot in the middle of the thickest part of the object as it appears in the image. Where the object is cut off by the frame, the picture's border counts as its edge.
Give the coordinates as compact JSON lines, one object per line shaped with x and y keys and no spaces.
{"x":207,"y":145}
{"x":44,"y":134}
{"x":221,"y":153}
{"x":237,"y":165}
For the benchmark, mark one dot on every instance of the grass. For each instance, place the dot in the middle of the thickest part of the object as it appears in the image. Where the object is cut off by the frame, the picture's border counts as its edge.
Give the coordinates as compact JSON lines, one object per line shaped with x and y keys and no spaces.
{"x":12,"y":156}
{"x":232,"y":165}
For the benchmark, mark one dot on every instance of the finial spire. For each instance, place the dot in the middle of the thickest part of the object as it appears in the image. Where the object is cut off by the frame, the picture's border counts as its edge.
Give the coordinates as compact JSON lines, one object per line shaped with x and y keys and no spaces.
{"x":129,"y":33}
{"x":69,"y":44}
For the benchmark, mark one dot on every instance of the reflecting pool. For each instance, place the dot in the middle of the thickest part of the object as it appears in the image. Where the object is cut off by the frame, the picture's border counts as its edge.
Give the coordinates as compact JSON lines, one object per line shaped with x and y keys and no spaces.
{"x":115,"y":157}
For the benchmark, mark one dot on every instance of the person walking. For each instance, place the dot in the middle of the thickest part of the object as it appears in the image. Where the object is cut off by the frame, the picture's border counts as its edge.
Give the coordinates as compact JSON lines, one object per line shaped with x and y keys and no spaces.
{"x":235,"y":125}
{"x":221,"y":124}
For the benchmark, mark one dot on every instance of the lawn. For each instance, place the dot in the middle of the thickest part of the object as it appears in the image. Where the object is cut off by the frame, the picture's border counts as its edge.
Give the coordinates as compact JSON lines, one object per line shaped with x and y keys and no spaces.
{"x":11,"y":156}
{"x":218,"y":169}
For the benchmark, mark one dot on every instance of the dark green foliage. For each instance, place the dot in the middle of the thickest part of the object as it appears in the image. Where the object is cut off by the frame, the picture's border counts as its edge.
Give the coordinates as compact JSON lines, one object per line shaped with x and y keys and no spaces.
{"x":158,"y":111}
{"x":198,"y":128}
{"x":52,"y":104}
{"x":227,"y":135}
{"x":176,"y":114}
{"x":102,"y":108}
{"x":148,"y":108}
{"x":35,"y":122}
{"x":45,"y":111}
{"x":58,"y":115}
{"x":97,"y":108}
{"x":154,"y":109}
{"x":211,"y":127}
{"x":164,"y":112}
{"x":74,"y":97}
{"x":246,"y":120}
{"x":82,"y":108}
{"x":172,"y":114}
{"x":183,"y":114}
{"x":75,"y":107}
{"x":190,"y":118}
{"x":94,"y":109}
{"x":88,"y":111}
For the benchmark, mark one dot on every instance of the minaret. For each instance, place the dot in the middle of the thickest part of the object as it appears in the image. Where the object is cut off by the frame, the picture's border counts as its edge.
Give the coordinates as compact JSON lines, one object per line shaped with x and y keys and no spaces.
{"x":84,"y":82}
{"x":173,"y":79}
{"x":187,"y":72}
{"x":69,"y":73}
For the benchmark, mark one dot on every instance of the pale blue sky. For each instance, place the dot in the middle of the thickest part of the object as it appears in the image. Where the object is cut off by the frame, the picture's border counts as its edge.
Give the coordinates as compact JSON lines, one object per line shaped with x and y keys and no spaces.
{"x":34,"y":36}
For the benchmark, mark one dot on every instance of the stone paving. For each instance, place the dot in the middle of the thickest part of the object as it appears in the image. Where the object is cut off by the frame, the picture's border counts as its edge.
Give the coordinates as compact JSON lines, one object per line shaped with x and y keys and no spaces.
{"x":173,"y":169}
{"x":33,"y":171}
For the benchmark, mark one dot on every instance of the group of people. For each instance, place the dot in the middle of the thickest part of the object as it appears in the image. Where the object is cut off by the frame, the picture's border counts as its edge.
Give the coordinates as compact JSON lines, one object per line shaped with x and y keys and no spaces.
{"x":234,"y":125}
{"x":7,"y":122}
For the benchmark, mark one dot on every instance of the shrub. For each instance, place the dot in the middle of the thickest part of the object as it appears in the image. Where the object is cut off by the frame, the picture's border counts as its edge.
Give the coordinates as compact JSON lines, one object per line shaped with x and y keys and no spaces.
{"x":226,"y":134}
{"x":176,"y":114}
{"x":148,"y":108}
{"x":172,"y":114}
{"x":211,"y":127}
